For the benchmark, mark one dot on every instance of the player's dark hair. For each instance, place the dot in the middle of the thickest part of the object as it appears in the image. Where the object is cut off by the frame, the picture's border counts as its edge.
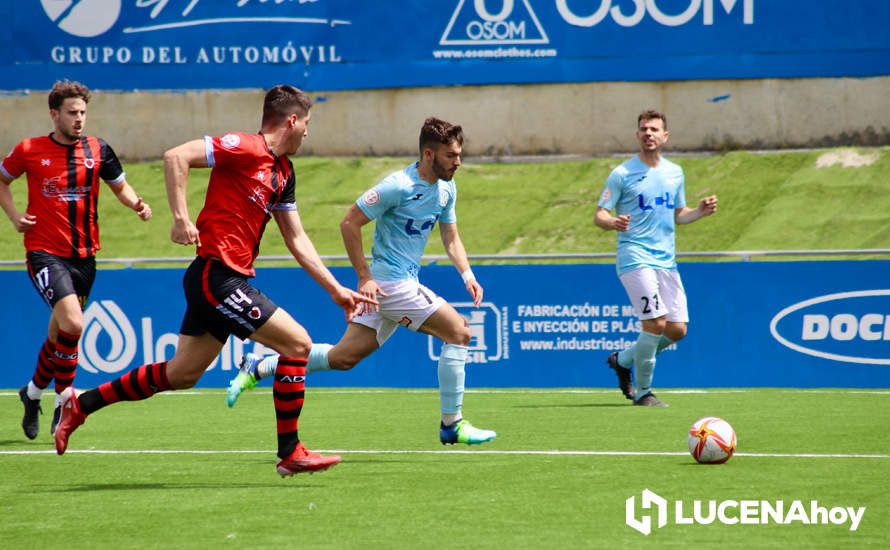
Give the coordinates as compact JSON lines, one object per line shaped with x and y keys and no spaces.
{"x":282,"y":101}
{"x":652,"y":114}
{"x":63,"y":89}
{"x":435,"y":131}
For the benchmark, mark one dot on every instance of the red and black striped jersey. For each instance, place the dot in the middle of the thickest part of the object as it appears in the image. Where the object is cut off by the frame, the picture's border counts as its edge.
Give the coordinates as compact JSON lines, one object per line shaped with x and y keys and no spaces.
{"x":247,"y":182}
{"x":63,"y":191}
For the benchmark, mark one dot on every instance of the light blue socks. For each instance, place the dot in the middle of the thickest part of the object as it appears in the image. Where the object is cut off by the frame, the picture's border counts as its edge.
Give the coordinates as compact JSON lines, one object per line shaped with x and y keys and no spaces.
{"x":318,"y":358}
{"x":451,"y":378}
{"x":644,"y":361}
{"x":626,"y":356}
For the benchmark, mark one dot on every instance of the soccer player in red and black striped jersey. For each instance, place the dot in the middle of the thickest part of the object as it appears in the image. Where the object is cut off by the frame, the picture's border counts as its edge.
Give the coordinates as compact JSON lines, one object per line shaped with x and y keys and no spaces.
{"x":61,"y":233}
{"x":251,"y":181}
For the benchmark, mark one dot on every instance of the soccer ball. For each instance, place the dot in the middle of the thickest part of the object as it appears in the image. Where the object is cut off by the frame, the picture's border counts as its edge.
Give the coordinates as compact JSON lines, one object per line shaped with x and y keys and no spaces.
{"x":711,"y":440}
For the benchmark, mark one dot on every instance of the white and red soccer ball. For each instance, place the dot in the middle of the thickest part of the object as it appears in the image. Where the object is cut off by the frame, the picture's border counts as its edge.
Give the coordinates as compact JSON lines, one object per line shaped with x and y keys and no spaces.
{"x":711,"y":440}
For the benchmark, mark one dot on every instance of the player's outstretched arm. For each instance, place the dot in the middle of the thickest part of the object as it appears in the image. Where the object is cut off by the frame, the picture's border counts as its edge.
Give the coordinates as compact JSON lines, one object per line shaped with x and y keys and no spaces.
{"x":454,"y":247}
{"x":302,"y":249}
{"x":128,"y":197}
{"x":21,"y":221}
{"x":177,"y":162}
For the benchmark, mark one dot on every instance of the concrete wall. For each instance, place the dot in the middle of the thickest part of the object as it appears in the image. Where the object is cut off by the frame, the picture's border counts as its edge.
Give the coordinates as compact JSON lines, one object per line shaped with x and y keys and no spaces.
{"x":581,"y":119}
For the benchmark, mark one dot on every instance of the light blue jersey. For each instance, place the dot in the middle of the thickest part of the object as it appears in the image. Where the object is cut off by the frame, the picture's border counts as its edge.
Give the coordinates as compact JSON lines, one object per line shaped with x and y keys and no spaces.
{"x":406,"y":209}
{"x":649,"y":196}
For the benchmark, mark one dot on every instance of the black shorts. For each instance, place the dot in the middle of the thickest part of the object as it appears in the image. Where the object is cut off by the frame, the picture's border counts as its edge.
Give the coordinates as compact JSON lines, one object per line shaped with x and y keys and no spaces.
{"x":55,"y":277}
{"x":221,"y":301}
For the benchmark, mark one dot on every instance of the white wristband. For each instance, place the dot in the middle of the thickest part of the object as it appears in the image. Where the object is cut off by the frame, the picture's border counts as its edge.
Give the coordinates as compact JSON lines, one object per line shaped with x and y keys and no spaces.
{"x":467,"y":275}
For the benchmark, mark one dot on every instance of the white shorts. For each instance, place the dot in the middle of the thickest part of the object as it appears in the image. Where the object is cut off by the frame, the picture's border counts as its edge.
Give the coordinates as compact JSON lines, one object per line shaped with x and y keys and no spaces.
{"x":655,"y":293}
{"x":407,"y":303}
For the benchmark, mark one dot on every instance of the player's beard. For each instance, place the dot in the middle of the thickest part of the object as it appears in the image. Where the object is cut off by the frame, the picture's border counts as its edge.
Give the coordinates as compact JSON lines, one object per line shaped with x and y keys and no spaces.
{"x":70,"y":134}
{"x":441,"y":172}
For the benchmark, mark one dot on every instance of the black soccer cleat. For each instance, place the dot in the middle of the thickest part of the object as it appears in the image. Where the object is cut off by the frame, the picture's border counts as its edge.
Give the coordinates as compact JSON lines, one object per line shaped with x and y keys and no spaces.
{"x":30,"y":423}
{"x":625,"y":376}
{"x":649,"y":400}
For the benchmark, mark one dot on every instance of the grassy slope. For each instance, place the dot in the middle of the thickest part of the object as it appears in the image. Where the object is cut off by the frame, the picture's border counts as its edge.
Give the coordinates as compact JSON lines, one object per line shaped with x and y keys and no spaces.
{"x":767,"y":201}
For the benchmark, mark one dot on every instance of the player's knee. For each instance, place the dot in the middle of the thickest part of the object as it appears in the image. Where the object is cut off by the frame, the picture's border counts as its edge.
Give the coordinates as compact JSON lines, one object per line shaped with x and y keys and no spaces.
{"x":73,"y":327}
{"x":297,"y":347}
{"x":461,"y":337}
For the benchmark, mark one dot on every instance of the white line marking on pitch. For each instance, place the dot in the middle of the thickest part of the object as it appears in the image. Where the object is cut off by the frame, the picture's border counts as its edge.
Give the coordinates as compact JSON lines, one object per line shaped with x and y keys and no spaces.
{"x":431,"y":452}
{"x":215,"y":392}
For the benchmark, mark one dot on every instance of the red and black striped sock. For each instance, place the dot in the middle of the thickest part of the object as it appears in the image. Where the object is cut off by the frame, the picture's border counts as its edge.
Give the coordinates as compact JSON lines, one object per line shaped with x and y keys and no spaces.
{"x":136,"y":385}
{"x":288,"y":390}
{"x":46,"y":366}
{"x":66,"y":359}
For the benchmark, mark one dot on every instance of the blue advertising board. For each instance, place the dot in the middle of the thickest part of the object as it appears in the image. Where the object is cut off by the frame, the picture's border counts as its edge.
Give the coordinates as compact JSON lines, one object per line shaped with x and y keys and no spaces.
{"x":343,"y":44}
{"x":769,"y":324}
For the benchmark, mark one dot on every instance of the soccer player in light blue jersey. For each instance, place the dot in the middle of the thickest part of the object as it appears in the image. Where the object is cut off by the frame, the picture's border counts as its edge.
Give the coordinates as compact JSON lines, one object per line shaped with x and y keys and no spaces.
{"x":405,"y":205}
{"x":647,"y":194}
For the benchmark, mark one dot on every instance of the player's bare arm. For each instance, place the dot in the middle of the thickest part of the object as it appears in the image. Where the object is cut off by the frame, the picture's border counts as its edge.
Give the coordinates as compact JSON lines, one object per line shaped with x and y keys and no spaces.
{"x":706,"y":207}
{"x":21,"y":221}
{"x":128,"y":197}
{"x":351,"y":231}
{"x":605,"y":220}
{"x":300,"y":246}
{"x":177,"y":162}
{"x":454,"y":247}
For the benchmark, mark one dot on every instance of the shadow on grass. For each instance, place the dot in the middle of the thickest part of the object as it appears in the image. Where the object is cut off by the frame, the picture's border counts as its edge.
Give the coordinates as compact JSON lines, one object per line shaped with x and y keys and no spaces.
{"x":571,"y":406}
{"x":155,"y":486}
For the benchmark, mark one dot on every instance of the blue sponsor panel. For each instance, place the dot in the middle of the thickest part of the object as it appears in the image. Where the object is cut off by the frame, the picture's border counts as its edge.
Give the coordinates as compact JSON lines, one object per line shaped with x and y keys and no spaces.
{"x":342,"y":44}
{"x":784,"y":324}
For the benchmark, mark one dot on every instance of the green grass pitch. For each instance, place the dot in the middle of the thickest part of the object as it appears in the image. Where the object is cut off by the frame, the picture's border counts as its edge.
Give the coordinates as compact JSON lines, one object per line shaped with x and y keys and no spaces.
{"x":182,"y":470}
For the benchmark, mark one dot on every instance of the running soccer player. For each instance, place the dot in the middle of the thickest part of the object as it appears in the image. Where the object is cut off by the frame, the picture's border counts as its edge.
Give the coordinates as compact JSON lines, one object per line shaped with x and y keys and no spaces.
{"x":61,"y":232}
{"x":251,"y":181}
{"x":406,"y":206}
{"x":647,"y":193}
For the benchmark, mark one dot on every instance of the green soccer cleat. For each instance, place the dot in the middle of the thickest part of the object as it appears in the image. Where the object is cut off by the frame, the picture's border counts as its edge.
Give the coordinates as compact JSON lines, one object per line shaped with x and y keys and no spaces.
{"x":246,"y":379}
{"x":464,"y":432}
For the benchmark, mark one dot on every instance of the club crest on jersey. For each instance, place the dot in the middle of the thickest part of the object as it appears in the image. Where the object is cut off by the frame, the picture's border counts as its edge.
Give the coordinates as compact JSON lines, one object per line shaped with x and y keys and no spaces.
{"x":258,"y":196}
{"x":89,"y":163}
{"x":371,"y":197}
{"x":443,"y":197}
{"x":254,"y":313}
{"x":230,"y":141}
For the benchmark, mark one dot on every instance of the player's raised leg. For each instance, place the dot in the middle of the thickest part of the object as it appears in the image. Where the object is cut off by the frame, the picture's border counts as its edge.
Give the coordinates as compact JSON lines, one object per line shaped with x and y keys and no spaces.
{"x":451,"y":327}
